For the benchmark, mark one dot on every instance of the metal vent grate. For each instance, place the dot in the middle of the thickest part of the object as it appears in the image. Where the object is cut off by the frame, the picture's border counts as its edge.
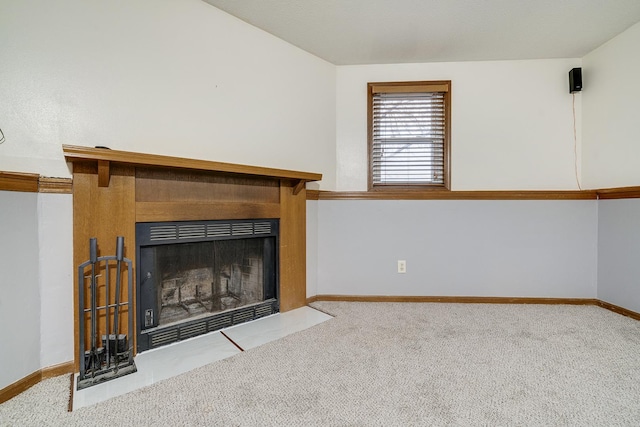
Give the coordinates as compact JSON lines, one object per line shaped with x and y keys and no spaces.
{"x":242,"y":229}
{"x":262,"y":228}
{"x":173,"y":333}
{"x":218,"y":230}
{"x":263,"y":310}
{"x":193,"y":329}
{"x":164,"y":337}
{"x":242,"y":315}
{"x":219,"y":323}
{"x":191,"y":231}
{"x":162,"y":232}
{"x":167,"y":233}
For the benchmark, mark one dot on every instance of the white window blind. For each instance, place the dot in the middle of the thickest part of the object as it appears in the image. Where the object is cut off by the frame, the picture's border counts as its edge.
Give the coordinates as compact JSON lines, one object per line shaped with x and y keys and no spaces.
{"x":408,"y":138}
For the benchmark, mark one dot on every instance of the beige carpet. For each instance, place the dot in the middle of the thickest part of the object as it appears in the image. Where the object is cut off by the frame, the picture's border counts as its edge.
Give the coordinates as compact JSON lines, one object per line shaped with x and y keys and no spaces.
{"x":394,"y":364}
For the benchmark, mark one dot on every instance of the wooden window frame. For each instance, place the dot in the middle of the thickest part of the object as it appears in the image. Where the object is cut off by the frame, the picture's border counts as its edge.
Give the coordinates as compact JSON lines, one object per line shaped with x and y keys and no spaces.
{"x":410,"y":86}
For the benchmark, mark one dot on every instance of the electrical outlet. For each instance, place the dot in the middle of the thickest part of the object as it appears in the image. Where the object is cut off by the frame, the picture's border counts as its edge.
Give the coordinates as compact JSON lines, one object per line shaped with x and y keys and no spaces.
{"x":402,"y":266}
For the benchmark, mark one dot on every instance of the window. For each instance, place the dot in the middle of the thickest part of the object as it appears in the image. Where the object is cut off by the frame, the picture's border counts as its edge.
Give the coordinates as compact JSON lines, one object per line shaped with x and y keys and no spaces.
{"x":409,"y":135}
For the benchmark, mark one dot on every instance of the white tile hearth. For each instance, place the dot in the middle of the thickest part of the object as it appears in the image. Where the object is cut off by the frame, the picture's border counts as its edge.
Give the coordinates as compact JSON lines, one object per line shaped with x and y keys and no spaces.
{"x":271,"y":328}
{"x":175,"y":359}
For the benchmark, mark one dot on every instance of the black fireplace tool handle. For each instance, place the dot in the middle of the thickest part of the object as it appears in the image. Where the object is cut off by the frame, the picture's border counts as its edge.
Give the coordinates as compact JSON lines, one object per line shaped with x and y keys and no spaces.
{"x":116,"y":329}
{"x":93,"y":258}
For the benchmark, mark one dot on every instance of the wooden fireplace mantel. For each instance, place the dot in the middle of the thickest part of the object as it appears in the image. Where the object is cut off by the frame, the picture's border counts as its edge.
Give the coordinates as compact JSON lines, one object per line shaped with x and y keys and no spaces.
{"x":105,"y":157}
{"x":113,"y":190}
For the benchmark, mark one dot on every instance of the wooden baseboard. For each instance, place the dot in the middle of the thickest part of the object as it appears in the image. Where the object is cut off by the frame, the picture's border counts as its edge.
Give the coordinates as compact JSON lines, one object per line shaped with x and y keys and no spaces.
{"x":19,"y":386}
{"x":477,"y":300}
{"x":57,"y":370}
{"x":455,"y":299}
{"x":619,"y":310}
{"x":30,"y":380}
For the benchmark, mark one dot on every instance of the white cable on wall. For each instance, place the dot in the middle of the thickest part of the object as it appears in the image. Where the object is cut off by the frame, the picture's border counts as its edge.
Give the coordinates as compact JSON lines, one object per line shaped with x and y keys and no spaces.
{"x":575,"y":143}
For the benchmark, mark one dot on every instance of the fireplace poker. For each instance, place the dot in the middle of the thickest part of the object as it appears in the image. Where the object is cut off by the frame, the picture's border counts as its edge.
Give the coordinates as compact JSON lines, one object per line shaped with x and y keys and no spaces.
{"x":107,"y":319}
{"x":116,"y":329}
{"x":93,"y":256}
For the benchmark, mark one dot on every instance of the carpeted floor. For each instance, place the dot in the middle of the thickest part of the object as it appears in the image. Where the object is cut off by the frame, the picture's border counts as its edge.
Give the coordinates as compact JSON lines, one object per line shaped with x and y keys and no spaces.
{"x":393,"y":364}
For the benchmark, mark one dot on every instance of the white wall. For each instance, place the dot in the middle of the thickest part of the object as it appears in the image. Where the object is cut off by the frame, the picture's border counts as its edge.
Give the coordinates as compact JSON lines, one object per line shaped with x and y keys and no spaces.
{"x":619,"y":252}
{"x":512,"y":122}
{"x":611,"y":141}
{"x":169,"y":77}
{"x":19,"y":289}
{"x":521,"y":248}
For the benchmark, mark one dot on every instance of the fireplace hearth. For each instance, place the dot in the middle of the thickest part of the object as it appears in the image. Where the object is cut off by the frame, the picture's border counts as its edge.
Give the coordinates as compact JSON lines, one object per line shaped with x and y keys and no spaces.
{"x":195,"y":277}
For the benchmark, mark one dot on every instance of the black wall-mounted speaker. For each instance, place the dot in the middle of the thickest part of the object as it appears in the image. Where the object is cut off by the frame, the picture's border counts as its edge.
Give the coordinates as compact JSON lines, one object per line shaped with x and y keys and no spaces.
{"x":575,"y":80}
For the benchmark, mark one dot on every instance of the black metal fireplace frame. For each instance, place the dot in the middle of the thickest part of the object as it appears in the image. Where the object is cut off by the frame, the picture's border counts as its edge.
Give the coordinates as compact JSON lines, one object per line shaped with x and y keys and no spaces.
{"x":165,"y":233}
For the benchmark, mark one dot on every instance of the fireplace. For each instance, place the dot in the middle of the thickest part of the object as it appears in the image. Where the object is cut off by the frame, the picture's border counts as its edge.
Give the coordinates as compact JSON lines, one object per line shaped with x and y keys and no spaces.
{"x":195,"y":277}
{"x":115,"y":190}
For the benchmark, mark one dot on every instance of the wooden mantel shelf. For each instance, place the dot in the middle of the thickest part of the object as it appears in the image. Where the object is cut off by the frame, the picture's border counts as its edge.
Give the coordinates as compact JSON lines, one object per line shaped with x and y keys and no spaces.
{"x":105,"y":156}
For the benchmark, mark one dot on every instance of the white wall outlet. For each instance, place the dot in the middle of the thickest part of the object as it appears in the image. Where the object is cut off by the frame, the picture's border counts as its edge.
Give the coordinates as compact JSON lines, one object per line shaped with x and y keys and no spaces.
{"x":402,"y":266}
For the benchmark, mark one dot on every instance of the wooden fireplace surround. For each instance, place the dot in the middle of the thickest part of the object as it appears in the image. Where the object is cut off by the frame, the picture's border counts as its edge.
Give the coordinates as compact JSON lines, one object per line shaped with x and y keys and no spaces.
{"x":112,"y":190}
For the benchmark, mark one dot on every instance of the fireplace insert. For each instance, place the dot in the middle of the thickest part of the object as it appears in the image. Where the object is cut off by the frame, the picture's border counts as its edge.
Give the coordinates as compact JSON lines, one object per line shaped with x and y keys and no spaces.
{"x":195,"y":277}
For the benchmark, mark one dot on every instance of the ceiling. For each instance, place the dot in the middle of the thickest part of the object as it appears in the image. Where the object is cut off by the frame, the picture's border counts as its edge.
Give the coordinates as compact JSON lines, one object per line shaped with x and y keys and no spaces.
{"x":348,"y":32}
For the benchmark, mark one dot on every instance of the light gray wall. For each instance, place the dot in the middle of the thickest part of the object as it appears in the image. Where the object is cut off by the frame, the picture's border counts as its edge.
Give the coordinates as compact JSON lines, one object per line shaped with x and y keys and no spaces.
{"x":456,"y":247}
{"x":619,"y":252}
{"x":312,"y":248}
{"x":19,"y":286}
{"x":55,"y":224}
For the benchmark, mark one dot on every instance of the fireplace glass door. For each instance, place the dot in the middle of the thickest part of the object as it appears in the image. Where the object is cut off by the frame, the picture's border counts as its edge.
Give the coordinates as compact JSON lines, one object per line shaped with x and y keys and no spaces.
{"x":204,"y":280}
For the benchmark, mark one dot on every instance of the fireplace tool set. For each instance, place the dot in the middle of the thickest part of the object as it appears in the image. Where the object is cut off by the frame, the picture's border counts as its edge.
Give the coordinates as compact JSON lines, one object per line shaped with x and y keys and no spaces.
{"x":109,"y":353}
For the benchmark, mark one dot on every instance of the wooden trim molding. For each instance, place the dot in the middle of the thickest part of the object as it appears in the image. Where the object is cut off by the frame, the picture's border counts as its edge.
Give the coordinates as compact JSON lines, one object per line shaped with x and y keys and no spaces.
{"x":17,"y":181}
{"x":454,"y":299}
{"x":313,"y":194}
{"x":104,"y":156}
{"x":57,"y":370}
{"x":55,"y":185}
{"x":19,"y":386}
{"x":477,"y":300}
{"x":619,"y":310}
{"x":34,"y":183}
{"x":619,"y":193}
{"x":458,"y":195}
{"x":30,"y":380}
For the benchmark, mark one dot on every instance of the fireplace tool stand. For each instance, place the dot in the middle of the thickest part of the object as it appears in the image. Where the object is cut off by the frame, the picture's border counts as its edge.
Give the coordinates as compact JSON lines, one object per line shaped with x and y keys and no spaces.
{"x":109,"y":353}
